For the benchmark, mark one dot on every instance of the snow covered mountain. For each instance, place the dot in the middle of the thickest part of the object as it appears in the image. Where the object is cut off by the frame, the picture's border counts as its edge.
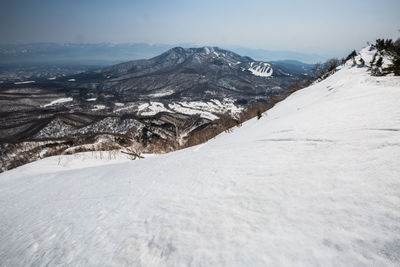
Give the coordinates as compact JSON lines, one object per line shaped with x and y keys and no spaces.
{"x":168,"y":98}
{"x":314,"y":182}
{"x":87,"y":53}
{"x":197,"y":73}
{"x":197,"y":81}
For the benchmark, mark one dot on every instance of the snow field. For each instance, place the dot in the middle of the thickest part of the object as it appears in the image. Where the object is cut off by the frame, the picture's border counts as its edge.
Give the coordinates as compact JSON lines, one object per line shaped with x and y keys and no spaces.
{"x":314,"y":182}
{"x":59,"y":101}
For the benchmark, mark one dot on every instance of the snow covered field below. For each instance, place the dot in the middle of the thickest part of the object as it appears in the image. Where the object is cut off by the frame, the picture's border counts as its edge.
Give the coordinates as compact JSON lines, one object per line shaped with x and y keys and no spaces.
{"x":208,"y":110}
{"x":314,"y":182}
{"x":58,"y":101}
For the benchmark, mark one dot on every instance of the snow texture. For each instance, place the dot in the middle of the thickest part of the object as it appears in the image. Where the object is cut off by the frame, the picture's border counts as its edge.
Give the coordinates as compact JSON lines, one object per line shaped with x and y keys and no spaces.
{"x":25,"y":82}
{"x":162,"y":93}
{"x":152,"y":109}
{"x":98,"y":107}
{"x":58,"y":101}
{"x":368,"y":53}
{"x":261,"y":69}
{"x":315,"y":182}
{"x":206,"y":110}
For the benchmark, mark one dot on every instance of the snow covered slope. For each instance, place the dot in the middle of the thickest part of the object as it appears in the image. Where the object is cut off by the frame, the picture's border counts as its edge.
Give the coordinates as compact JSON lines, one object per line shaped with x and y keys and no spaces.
{"x":315,"y":182}
{"x":262,"y":69}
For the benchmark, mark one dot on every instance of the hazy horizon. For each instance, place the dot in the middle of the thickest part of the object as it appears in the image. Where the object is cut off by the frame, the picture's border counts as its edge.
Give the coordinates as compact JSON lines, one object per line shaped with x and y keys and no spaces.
{"x":325,"y":28}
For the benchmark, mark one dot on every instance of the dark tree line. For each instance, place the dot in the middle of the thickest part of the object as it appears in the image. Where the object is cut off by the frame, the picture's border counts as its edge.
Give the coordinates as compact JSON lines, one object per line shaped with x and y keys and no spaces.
{"x":323,"y":70}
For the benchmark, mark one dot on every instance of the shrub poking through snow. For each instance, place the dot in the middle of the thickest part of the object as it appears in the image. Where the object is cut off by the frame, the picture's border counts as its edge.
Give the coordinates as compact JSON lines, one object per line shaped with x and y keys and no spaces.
{"x":388,"y":48}
{"x":259,"y":115}
{"x":352,"y":55}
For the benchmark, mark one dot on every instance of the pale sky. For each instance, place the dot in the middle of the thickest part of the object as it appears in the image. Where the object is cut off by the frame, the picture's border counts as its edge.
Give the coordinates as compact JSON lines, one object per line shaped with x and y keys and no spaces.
{"x":324,"y":27}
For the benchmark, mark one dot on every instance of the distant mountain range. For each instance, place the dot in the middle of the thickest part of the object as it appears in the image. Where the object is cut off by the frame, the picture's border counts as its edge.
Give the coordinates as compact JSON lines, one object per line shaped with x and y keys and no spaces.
{"x":162,"y":102}
{"x":105,"y":53}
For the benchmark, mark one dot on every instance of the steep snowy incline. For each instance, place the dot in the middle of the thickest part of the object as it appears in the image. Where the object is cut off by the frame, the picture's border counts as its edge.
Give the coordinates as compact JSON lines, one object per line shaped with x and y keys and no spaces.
{"x":315,"y":182}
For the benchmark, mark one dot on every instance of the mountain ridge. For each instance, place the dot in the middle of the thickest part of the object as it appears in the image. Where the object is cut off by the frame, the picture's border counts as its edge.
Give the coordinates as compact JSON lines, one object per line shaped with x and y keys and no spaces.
{"x":107,"y":52}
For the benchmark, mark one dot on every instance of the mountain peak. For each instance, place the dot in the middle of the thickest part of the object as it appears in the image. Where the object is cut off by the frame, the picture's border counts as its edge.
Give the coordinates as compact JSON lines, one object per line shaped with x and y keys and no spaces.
{"x":177,"y":49}
{"x":206,"y":50}
{"x":202,"y":62}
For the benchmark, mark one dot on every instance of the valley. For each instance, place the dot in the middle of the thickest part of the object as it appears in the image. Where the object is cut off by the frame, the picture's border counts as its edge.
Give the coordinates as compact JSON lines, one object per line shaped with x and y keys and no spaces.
{"x":165,"y":101}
